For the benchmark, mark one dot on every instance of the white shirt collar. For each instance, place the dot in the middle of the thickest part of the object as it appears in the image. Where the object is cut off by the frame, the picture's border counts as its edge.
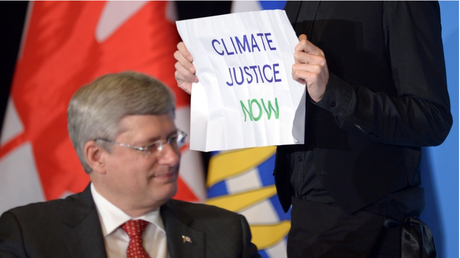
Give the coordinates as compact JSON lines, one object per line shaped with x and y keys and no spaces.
{"x":112,"y":217}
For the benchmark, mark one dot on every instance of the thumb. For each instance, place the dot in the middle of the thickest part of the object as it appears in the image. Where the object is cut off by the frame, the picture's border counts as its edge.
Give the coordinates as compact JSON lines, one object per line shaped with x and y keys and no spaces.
{"x":302,"y":37}
{"x":306,"y":46}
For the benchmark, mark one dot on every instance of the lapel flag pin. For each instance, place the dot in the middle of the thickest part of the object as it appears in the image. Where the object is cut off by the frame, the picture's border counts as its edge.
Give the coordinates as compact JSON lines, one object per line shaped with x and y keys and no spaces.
{"x":186,"y":239}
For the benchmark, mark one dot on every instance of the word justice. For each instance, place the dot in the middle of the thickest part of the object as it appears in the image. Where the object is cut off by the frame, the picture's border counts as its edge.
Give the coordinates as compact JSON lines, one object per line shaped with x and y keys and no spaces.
{"x":253,"y":73}
{"x":259,"y":42}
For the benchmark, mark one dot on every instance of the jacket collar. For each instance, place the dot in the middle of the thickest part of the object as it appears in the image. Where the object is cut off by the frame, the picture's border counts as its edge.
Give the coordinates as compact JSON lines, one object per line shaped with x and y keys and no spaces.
{"x":84,"y":240}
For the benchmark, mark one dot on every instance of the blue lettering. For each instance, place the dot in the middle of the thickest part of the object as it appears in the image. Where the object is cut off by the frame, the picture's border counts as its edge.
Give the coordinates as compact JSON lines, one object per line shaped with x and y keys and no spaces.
{"x":213,"y":46}
{"x":275,"y":72}
{"x":253,"y":67}
{"x":231,"y":39}
{"x":254,"y":43}
{"x":244,"y":45}
{"x":242,"y":77}
{"x":250,"y":75}
{"x":261,"y":77}
{"x":262,"y":39}
{"x":265,"y":75}
{"x":230,"y":72}
{"x":269,"y":41}
{"x":226,"y":50}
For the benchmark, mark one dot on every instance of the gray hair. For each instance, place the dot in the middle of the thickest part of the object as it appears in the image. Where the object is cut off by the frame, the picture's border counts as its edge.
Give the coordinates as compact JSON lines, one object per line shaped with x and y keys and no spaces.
{"x":95,"y":109}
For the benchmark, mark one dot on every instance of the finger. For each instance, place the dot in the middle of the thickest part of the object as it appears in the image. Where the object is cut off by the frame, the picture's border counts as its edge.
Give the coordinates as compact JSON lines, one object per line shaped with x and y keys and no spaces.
{"x":184,"y":51}
{"x":307,"y":58}
{"x":183,"y":74}
{"x":305,"y":72}
{"x":315,"y":84}
{"x":302,"y":37}
{"x":298,"y":75}
{"x":306,"y":46}
{"x":302,"y":43}
{"x":308,"y":74}
{"x":184,"y":62}
{"x":184,"y":85}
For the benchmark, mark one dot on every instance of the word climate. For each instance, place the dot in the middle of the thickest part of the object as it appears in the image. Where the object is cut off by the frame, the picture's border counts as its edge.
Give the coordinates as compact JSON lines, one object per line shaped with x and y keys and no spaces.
{"x":259,"y":42}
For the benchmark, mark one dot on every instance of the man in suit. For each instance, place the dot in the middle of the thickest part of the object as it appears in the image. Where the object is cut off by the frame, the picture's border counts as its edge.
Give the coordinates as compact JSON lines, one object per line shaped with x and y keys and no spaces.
{"x":122,"y":127}
{"x":376,"y":82}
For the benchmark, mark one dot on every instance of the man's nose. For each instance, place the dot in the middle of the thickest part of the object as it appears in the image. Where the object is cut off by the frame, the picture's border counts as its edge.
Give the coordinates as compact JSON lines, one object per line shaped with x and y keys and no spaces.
{"x":168,"y":155}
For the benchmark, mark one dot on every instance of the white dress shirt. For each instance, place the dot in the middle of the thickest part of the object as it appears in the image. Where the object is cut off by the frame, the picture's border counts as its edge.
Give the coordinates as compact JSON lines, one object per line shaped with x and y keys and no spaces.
{"x":116,"y":240}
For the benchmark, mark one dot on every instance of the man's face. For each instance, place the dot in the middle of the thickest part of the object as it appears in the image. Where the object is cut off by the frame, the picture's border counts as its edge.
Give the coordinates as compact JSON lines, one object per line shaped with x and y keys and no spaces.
{"x":138,"y":179}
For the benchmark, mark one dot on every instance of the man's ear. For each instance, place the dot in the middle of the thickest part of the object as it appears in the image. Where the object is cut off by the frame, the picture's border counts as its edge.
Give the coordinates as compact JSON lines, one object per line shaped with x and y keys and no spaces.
{"x":94,"y":155}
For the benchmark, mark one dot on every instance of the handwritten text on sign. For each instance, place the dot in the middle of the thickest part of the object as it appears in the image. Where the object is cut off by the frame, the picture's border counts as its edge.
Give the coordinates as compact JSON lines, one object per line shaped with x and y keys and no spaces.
{"x":252,"y":73}
{"x":245,"y":96}
{"x":248,"y":44}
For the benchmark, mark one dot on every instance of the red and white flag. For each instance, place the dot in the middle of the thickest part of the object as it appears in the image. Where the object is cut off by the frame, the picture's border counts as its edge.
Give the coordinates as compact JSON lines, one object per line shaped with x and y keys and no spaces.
{"x":66,"y":45}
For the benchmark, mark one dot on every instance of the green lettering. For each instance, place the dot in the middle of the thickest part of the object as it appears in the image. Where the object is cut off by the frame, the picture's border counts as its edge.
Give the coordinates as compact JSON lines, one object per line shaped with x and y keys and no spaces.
{"x":270,"y":108}
{"x":260,"y":110}
{"x":245,"y":110}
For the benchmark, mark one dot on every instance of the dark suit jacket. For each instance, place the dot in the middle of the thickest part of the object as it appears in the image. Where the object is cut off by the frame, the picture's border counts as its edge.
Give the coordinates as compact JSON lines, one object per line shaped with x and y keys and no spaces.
{"x":386,"y":98}
{"x":70,"y":227}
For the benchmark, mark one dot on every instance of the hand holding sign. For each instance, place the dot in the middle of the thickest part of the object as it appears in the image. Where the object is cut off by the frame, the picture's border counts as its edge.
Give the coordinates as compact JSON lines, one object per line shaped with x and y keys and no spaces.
{"x":185,"y":70}
{"x":245,"y":95}
{"x":310,"y":68}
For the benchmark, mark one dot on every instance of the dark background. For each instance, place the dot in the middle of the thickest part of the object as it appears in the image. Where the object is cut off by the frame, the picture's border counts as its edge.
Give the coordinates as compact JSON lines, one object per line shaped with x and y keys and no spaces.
{"x":12,"y":16}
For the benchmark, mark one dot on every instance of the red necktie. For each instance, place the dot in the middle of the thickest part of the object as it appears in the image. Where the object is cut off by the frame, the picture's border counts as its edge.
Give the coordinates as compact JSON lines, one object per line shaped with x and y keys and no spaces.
{"x":134,"y":229}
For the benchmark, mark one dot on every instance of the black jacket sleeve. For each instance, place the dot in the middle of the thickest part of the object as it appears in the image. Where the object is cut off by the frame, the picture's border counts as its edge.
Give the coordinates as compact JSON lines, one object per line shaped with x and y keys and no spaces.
{"x":419,"y":114}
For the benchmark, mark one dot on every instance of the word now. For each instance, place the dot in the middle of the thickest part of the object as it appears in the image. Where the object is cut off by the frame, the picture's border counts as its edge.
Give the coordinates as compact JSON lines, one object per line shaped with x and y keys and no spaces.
{"x":249,"y":110}
{"x":253,"y":73}
{"x":259,"y":42}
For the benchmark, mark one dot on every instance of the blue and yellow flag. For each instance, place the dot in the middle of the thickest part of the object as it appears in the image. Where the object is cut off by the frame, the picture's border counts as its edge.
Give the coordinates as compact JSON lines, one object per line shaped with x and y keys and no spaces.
{"x":242,"y":181}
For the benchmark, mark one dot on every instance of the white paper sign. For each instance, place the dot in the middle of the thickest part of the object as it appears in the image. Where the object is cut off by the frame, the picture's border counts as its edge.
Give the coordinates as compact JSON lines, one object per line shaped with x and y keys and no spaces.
{"x":245,"y":96}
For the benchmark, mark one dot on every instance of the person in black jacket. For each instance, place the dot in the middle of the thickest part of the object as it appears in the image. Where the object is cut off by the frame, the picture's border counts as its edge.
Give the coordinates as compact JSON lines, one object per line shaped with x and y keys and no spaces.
{"x":376,"y":80}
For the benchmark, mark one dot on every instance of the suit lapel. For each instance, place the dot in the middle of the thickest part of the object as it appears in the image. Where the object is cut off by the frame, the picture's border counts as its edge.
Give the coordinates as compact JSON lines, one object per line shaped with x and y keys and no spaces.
{"x":85,"y":239}
{"x":183,"y":241}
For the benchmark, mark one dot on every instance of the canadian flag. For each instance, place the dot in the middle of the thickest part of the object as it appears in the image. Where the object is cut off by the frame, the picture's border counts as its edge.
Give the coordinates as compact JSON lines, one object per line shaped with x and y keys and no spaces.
{"x":67,"y":45}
